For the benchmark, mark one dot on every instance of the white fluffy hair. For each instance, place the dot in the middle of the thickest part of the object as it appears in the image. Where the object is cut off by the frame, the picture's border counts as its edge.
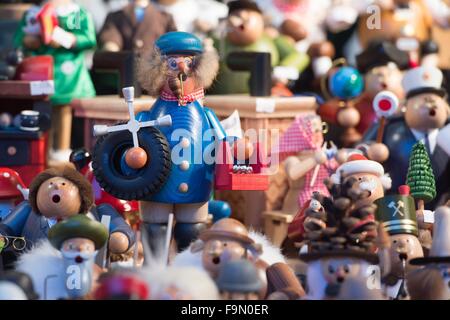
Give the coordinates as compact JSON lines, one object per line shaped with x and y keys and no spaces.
{"x":270,"y":253}
{"x":385,"y":180}
{"x":11,"y":291}
{"x":44,"y":264}
{"x":192,"y":282}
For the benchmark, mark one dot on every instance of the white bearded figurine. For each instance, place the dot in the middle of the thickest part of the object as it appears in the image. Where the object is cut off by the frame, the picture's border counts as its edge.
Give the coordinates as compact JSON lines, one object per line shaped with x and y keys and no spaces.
{"x":343,"y":246}
{"x":64,"y":266}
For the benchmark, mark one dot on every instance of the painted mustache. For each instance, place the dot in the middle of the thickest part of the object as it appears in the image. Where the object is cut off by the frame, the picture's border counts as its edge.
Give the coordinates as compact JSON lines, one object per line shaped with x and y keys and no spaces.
{"x":369,"y":185}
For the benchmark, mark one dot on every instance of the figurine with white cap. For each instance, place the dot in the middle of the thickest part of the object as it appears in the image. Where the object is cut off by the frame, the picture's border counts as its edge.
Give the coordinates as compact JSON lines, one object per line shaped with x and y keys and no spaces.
{"x":427,"y":112}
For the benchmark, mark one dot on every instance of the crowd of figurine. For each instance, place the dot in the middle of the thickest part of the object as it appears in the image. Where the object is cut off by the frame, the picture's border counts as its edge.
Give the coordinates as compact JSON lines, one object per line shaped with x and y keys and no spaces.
{"x":370,"y":215}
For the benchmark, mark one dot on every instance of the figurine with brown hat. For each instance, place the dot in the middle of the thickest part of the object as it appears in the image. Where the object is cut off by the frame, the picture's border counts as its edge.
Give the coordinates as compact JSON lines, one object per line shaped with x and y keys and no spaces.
{"x":433,"y":281}
{"x":57,"y":194}
{"x":229,"y":240}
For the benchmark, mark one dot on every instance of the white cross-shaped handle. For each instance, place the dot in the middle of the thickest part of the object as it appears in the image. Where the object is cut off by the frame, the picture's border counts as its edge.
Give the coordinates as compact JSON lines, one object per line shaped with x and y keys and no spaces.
{"x":132,"y":125}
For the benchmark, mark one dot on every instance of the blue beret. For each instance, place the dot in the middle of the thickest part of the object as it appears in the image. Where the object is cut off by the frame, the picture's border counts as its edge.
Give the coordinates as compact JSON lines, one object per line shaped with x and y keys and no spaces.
{"x":179,"y":43}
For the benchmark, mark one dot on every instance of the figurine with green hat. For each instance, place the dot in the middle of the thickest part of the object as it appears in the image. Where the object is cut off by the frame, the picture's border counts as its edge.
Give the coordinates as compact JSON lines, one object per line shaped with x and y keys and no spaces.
{"x":78,"y":239}
{"x":397,"y":214}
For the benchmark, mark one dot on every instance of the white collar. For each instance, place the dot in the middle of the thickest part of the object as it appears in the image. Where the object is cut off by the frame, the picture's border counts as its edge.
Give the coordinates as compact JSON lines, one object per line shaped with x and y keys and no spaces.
{"x":432,"y":134}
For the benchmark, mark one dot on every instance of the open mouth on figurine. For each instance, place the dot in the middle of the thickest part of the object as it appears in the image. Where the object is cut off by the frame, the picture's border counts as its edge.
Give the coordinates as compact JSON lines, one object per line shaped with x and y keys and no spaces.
{"x":216,"y":260}
{"x":403,"y":256}
{"x":340,"y":279}
{"x":56,"y":198}
{"x":78,"y":259}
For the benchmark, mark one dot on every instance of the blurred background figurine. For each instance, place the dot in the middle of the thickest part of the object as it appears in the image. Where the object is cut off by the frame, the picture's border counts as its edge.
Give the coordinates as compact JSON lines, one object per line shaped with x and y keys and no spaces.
{"x":16,"y":285}
{"x":135,"y":27}
{"x":302,"y":20}
{"x":12,"y":191}
{"x":433,"y":281}
{"x":245,"y":32}
{"x":307,"y":163}
{"x":199,"y":17}
{"x":64,"y":30}
{"x":427,"y":112}
{"x":382,"y":65}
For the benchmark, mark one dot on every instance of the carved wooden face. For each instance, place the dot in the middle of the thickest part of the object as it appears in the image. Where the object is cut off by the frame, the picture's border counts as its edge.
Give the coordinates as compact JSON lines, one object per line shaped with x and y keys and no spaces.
{"x":245,"y":27}
{"x":218,"y":251}
{"x":179,"y":75}
{"x":58,"y":198}
{"x":81,"y":245}
{"x":371,"y":183}
{"x":335,"y":271}
{"x":384,"y":78}
{"x":404,"y":247}
{"x":426,"y":111}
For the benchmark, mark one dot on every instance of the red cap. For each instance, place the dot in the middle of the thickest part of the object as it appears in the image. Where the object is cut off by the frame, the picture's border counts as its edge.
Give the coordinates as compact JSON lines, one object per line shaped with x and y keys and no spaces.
{"x":404,"y":190}
{"x":9,"y":180}
{"x":127,"y":285}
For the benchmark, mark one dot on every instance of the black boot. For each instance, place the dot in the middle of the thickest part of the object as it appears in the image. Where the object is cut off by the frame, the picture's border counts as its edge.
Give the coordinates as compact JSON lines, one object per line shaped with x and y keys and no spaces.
{"x":156,"y":234}
{"x":185,"y":233}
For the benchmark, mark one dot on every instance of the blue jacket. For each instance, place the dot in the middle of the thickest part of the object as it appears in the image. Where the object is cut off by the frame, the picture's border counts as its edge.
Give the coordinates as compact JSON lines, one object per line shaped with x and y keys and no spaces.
{"x":191,"y":176}
{"x":24,"y":222}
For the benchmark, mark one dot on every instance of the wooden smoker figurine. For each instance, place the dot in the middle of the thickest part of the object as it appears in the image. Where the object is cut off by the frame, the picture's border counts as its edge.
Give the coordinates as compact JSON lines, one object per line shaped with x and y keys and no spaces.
{"x":170,"y":169}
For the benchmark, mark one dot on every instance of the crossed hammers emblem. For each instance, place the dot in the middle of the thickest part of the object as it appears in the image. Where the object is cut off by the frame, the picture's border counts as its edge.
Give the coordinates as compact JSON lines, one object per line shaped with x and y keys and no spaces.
{"x":397,"y":208}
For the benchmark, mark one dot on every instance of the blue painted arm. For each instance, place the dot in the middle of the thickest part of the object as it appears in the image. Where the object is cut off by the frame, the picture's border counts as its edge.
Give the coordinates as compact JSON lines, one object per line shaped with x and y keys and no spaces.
{"x":215,"y":123}
{"x":118,"y":224}
{"x":14,"y":224}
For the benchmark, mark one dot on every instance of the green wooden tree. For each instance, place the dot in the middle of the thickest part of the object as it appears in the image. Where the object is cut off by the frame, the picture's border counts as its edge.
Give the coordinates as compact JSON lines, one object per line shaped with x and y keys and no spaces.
{"x":420,"y":177}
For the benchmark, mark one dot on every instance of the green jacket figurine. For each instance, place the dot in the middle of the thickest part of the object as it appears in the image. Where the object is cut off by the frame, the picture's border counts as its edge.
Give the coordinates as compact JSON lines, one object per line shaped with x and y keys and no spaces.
{"x":71,"y":76}
{"x":245,"y":32}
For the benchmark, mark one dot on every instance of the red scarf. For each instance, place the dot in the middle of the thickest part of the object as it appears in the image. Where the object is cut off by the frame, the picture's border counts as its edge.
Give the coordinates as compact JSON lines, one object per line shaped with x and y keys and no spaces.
{"x":188,"y":98}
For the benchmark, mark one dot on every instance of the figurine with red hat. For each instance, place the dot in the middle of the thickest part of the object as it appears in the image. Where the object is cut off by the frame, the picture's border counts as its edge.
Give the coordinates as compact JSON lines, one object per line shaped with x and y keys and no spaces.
{"x":370,"y":174}
{"x":427,"y":112}
{"x":341,"y":243}
{"x":120,"y":285}
{"x":371,"y":179}
{"x":12,"y":191}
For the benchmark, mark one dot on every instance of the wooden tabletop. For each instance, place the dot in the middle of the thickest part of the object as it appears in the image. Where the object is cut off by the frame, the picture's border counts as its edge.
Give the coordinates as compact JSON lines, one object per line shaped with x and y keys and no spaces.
{"x":115,"y":108}
{"x":19,"y":89}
